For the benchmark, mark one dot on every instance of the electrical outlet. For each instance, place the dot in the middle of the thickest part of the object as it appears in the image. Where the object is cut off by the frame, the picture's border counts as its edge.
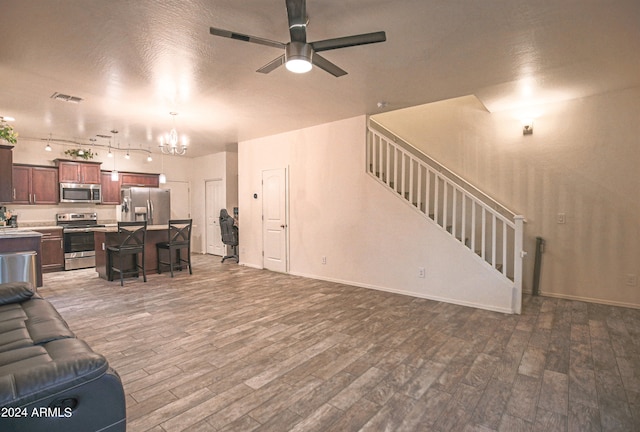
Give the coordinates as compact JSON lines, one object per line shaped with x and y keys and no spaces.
{"x":631,"y":280}
{"x":421,"y":272}
{"x":324,"y":260}
{"x":561,"y":218}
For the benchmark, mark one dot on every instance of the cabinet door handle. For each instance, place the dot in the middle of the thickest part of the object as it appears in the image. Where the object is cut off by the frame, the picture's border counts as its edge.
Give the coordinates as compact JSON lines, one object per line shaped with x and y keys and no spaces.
{"x":34,"y":198}
{"x":14,"y":193}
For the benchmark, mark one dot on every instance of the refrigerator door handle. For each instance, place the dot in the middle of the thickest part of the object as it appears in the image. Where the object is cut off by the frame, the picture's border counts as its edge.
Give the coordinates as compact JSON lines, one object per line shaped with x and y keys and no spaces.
{"x":149,"y":211}
{"x":152,"y":216}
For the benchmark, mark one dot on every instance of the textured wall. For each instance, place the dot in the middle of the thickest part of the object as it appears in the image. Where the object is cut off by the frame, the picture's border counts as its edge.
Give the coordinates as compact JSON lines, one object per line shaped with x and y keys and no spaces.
{"x":582,"y":160}
{"x":369,"y":237}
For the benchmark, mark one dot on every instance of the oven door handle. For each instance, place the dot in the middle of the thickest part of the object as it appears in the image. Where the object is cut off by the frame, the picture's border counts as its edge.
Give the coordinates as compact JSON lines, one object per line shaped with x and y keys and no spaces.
{"x":77,"y":230}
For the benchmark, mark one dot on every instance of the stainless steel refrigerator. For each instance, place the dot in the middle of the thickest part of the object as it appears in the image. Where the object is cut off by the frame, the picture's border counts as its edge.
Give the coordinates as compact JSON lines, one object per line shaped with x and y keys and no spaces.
{"x":150,"y":204}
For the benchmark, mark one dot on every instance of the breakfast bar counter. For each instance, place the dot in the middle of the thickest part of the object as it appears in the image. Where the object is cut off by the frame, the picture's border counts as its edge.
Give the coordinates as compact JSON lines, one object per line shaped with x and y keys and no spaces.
{"x":108,"y":236}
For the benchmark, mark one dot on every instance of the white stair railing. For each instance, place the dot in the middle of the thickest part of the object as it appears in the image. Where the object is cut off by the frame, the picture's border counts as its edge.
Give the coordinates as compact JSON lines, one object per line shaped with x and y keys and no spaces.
{"x":485,"y":227}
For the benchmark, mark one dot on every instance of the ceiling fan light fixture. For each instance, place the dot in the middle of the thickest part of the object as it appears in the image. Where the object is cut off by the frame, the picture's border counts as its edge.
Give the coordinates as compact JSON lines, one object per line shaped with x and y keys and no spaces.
{"x":298,"y":57}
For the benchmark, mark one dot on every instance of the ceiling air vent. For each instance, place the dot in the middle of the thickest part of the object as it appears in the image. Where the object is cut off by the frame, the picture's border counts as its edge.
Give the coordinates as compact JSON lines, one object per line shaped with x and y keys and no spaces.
{"x":66,"y":98}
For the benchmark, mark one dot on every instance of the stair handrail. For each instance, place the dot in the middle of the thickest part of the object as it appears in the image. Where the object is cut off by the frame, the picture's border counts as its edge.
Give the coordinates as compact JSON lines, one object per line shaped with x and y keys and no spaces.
{"x":451,"y":175}
{"x":495,"y":211}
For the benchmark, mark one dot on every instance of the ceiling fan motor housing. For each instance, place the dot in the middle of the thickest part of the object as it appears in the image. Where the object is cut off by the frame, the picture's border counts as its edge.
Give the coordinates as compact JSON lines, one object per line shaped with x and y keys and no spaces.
{"x":298,"y":57}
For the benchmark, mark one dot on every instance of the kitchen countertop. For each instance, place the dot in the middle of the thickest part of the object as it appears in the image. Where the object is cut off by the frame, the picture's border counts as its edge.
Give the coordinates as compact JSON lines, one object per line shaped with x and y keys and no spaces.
{"x":43,"y":227}
{"x":113,"y":229}
{"x":12,"y":233}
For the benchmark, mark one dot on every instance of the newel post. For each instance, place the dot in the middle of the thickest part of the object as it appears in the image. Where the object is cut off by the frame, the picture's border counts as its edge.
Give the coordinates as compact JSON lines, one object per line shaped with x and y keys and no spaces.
{"x":519,"y":254}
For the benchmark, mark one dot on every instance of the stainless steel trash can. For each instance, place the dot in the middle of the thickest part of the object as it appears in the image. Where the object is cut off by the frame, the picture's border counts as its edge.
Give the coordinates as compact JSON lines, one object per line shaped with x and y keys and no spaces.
{"x":18,"y":267}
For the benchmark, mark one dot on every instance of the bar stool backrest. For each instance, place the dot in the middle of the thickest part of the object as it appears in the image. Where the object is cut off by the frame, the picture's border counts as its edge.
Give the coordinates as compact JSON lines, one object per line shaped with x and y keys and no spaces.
{"x":132,"y":234}
{"x":180,"y":232}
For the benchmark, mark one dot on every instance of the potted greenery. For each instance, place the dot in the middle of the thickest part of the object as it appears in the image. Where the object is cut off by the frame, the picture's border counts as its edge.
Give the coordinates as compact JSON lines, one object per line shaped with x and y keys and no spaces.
{"x":8,"y":134}
{"x":79,"y":153}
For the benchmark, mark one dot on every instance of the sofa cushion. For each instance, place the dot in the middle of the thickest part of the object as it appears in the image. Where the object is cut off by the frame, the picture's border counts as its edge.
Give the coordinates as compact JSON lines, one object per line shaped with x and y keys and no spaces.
{"x":37,"y":372}
{"x":30,"y":323}
{"x":15,"y":292}
{"x":44,"y":323}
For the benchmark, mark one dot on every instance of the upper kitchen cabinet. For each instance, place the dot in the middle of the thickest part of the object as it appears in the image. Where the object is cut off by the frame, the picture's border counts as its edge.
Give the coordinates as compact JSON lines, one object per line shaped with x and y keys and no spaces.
{"x":78,"y":172}
{"x":35,"y":185}
{"x":110,"y":189}
{"x":6,"y":162}
{"x":140,"y":179}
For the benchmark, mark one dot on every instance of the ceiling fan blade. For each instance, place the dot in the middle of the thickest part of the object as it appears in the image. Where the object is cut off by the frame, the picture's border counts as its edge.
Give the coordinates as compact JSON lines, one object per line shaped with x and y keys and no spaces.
{"x":297,"y":15}
{"x":348,"y":41}
{"x":327,"y":66}
{"x":245,"y":38}
{"x":274,"y":64}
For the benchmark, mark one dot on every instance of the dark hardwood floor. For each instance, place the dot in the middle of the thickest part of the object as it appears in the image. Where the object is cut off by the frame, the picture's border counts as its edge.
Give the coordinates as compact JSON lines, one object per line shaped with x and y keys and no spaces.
{"x":232,"y":348}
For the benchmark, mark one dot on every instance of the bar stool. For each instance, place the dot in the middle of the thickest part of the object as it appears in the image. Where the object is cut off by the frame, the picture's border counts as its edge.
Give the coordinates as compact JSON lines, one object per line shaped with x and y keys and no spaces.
{"x":179,"y":238}
{"x":132,"y":237}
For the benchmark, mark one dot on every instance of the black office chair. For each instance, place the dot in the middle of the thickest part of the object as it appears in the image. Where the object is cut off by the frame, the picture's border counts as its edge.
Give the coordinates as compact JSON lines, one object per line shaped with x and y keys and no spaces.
{"x":132,"y":237}
{"x":179,"y":238}
{"x":229,"y":231}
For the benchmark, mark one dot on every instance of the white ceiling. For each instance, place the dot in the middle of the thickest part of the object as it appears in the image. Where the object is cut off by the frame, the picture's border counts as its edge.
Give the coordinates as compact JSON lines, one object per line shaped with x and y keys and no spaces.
{"x":132,"y":62}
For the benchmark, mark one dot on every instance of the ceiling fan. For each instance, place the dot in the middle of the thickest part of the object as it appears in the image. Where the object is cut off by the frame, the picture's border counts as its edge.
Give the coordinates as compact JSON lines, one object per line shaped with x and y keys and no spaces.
{"x":299,"y":55}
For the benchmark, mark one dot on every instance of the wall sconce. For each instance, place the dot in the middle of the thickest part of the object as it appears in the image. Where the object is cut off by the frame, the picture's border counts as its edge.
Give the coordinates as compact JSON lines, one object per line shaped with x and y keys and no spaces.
{"x":527,"y":126}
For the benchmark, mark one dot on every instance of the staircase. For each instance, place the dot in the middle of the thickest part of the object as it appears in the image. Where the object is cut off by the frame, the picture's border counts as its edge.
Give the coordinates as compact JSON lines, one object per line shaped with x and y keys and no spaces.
{"x":490,"y":231}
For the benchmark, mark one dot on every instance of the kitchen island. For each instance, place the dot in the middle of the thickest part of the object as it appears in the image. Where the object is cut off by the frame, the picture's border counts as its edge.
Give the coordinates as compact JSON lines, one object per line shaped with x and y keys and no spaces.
{"x":108,"y":236}
{"x":14,"y":240}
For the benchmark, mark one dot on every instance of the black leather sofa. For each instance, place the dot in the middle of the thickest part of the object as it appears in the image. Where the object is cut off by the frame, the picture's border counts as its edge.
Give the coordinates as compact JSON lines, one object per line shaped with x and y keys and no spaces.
{"x":50,"y":380}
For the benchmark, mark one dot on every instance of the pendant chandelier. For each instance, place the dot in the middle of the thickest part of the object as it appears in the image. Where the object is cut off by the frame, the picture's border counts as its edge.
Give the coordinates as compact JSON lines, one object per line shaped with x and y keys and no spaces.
{"x":171,"y":143}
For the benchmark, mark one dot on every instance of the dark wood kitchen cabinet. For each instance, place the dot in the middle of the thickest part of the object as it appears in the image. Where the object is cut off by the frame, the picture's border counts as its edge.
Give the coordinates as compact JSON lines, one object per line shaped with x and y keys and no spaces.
{"x":6,"y":183}
{"x":35,"y":185}
{"x":110,"y":189}
{"x":140,"y":179}
{"x":52,"y":252}
{"x":78,"y":172}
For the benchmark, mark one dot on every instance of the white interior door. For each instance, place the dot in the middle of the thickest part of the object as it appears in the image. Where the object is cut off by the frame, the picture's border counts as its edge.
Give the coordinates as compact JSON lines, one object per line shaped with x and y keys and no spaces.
{"x":214,"y":201}
{"x":275,"y":222}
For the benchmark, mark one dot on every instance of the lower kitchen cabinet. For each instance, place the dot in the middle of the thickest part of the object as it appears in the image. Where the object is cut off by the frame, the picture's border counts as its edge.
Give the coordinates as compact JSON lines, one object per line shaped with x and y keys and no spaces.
{"x":52,"y":250}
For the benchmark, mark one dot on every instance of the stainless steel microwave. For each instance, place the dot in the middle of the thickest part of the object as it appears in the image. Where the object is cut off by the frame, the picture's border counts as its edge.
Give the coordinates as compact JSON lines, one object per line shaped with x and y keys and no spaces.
{"x":80,"y":193}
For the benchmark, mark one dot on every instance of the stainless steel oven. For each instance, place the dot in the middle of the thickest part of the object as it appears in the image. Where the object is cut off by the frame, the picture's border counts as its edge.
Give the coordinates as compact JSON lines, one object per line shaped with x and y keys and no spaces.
{"x":79,"y":245}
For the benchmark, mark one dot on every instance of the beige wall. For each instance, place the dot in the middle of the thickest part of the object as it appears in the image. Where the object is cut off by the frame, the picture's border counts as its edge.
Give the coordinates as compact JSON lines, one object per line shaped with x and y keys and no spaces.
{"x":219,"y":166}
{"x":582,"y":160}
{"x":369,"y":237}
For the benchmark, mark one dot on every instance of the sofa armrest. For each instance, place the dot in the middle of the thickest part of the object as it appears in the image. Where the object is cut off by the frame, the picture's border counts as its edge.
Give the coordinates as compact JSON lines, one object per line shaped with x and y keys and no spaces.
{"x":15,"y":292}
{"x":60,"y":386}
{"x":97,"y":405}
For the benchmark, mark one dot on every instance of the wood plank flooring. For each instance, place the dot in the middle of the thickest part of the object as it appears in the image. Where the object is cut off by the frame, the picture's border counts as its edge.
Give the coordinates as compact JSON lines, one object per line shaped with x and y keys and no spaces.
{"x":232,"y":348}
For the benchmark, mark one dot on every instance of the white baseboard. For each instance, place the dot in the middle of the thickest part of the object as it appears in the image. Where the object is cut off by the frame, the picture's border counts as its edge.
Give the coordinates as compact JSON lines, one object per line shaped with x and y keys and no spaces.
{"x":590,"y":300}
{"x":409,"y":293}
